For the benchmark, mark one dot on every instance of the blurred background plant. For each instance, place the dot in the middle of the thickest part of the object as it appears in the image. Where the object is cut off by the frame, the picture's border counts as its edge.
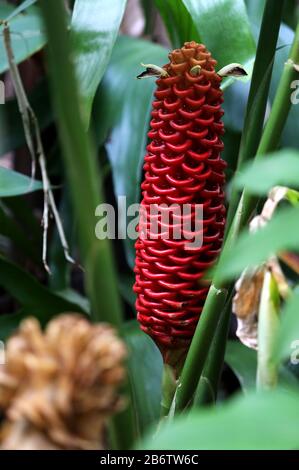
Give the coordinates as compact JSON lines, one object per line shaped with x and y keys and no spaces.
{"x":75,"y":81}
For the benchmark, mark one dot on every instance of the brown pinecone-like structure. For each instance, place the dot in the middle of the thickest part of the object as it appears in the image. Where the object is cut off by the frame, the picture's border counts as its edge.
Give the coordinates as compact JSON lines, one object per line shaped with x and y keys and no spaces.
{"x":58,"y":388}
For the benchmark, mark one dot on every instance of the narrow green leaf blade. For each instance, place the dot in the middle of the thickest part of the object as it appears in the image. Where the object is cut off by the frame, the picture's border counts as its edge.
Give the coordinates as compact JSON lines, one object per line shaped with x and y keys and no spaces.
{"x":13,"y":183}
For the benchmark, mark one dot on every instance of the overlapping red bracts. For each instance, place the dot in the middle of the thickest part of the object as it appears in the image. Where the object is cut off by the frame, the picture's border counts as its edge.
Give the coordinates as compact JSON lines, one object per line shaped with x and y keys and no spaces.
{"x":182,"y":165}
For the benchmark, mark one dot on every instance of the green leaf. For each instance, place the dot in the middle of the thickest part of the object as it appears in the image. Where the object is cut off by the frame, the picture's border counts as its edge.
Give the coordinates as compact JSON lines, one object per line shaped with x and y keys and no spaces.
{"x":95,"y":24}
{"x":290,"y":132}
{"x":11,"y":126}
{"x":243,"y":362}
{"x":287,"y":345}
{"x":222,"y":25}
{"x":251,"y":249}
{"x":262,"y":421}
{"x":277,"y":168}
{"x":23,"y":6}
{"x":255,"y":10}
{"x":178,"y":22}
{"x":224,"y":28}
{"x":123,"y":107}
{"x":13,"y":183}
{"x":26,"y":31}
{"x":145,"y":371}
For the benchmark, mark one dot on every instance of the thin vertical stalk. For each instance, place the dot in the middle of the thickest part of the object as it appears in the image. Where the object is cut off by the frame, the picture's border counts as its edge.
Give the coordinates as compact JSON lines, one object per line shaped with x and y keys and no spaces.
{"x":268,"y":327}
{"x":206,"y":391}
{"x":259,"y":90}
{"x":277,"y":119}
{"x":199,"y":347}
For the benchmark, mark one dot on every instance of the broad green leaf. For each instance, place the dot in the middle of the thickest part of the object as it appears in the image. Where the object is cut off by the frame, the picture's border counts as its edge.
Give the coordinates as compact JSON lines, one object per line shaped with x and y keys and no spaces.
{"x":243,"y":362}
{"x":23,"y":6}
{"x":121,"y":116}
{"x":178,"y":22}
{"x":95,"y":24}
{"x":145,"y":371}
{"x":224,"y":28}
{"x":278,"y":168}
{"x":13,"y":183}
{"x":262,"y":421}
{"x":287,"y":346}
{"x":251,"y":249}
{"x":255,"y":10}
{"x":26,"y":30}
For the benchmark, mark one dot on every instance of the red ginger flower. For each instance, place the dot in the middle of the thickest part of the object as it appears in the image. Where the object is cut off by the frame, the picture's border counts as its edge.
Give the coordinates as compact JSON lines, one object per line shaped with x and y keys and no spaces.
{"x":183,"y":165}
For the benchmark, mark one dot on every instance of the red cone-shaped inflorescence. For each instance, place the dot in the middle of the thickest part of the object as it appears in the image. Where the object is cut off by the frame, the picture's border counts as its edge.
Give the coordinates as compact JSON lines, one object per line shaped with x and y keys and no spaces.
{"x":182,"y":166}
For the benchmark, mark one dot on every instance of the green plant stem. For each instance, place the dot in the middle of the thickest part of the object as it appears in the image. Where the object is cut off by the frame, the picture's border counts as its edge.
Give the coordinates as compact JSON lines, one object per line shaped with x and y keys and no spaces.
{"x":268,"y":327}
{"x":204,"y":333}
{"x":277,"y":119}
{"x":168,"y":389}
{"x":85,"y":184}
{"x":206,"y":391}
{"x":199,"y":348}
{"x":259,"y":90}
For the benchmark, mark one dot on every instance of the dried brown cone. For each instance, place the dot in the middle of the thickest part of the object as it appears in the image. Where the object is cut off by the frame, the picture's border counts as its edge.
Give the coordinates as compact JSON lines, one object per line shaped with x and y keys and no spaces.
{"x":59,"y":387}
